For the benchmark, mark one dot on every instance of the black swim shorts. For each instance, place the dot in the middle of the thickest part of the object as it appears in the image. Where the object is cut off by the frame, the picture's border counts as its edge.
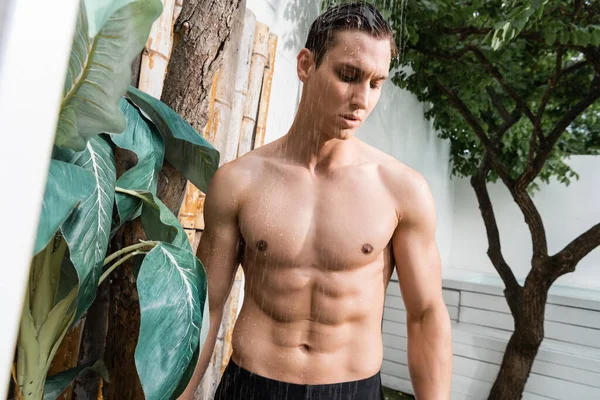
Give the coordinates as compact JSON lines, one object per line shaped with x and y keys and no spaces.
{"x":240,"y":384}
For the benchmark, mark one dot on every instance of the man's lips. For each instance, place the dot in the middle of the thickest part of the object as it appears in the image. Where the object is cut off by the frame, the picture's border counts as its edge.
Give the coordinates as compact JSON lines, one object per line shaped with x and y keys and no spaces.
{"x":351,"y":117}
{"x":350,"y":120}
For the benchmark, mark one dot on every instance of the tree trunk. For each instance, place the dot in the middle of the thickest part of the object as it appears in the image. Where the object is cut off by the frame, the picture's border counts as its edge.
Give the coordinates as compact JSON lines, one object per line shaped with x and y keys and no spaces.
{"x":201,"y":33}
{"x":526,"y":339}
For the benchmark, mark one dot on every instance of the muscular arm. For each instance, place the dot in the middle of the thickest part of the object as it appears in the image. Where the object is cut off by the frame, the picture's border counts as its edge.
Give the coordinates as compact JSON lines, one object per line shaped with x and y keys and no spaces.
{"x":219,"y":252}
{"x":419,"y":273}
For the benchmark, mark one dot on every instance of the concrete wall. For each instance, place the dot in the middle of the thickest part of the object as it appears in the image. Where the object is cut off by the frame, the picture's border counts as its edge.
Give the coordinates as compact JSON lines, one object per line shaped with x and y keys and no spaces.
{"x":566,"y":212}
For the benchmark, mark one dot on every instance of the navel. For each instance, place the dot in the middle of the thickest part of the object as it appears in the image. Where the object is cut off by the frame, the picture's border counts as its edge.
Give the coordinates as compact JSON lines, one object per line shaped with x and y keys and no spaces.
{"x":262,"y":245}
{"x":367,"y":249}
{"x":304,"y":348}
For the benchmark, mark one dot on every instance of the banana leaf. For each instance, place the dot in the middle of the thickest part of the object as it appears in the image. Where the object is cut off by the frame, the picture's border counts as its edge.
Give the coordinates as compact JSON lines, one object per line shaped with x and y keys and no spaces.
{"x":185,"y":148}
{"x":99,"y":70}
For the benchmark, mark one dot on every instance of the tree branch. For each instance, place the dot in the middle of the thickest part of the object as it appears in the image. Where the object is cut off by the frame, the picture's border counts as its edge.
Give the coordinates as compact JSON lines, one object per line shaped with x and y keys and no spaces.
{"x":479,"y":132}
{"x":533,"y":219}
{"x":513,"y":289}
{"x":497,"y":102}
{"x":566,"y":259}
{"x":537,"y":132}
{"x":588,"y":99}
{"x":498,"y":76}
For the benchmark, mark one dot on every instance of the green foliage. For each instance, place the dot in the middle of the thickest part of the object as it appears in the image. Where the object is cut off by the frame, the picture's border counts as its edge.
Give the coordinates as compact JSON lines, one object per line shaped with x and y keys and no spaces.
{"x":141,"y":137}
{"x":82,"y":196}
{"x":59,"y":201}
{"x":100,"y":69}
{"x":491,"y":53}
{"x":185,"y":149}
{"x":87,"y":230}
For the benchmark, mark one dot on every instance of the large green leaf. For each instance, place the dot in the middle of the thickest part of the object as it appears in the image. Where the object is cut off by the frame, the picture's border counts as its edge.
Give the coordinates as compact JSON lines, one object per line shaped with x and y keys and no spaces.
{"x":67,"y":186}
{"x":158,"y":221}
{"x":100,"y":71}
{"x":57,"y":383}
{"x":142,"y":138}
{"x":185,"y":149}
{"x":87,"y":229}
{"x":172,"y":290}
{"x":99,"y":11}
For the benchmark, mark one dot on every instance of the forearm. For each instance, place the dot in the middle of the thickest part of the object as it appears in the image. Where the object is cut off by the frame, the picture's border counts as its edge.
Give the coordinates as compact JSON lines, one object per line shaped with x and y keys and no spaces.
{"x":430,"y":353}
{"x":205,"y":355}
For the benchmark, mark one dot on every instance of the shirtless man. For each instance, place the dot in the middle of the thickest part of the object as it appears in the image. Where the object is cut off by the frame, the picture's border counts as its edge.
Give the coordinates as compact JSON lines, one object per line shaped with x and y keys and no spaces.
{"x":318,"y":220}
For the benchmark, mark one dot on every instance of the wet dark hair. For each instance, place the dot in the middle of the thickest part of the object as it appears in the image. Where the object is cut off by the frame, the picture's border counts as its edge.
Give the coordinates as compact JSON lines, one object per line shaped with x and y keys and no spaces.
{"x":358,"y":16}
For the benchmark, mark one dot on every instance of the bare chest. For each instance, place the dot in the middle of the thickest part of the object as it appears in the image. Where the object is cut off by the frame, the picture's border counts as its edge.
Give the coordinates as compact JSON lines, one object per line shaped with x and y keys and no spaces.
{"x":340,"y":223}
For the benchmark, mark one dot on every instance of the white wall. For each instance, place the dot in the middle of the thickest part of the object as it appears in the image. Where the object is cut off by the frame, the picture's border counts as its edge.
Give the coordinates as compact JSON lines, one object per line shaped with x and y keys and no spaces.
{"x":566,"y":212}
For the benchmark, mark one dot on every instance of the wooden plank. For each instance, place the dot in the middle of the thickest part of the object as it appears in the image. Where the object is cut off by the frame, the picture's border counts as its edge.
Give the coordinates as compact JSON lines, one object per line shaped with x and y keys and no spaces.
{"x":230,"y":143}
{"x":576,"y":356}
{"x":157,"y":52}
{"x":394,"y":315}
{"x":394,"y":302}
{"x":259,"y":59}
{"x":395,"y":369}
{"x":265,"y":96}
{"x":472,"y":281}
{"x":540,"y":367}
{"x":395,"y":351}
{"x":395,"y":355}
{"x":394,"y":328}
{"x":553,"y":330}
{"x":394,"y":342}
{"x":474,"y":389}
{"x":491,"y":319}
{"x":556,"y":313}
{"x":470,"y":387}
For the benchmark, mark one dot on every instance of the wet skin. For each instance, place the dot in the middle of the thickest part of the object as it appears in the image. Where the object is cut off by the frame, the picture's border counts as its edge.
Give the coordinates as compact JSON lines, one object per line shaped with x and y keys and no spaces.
{"x":318,"y":220}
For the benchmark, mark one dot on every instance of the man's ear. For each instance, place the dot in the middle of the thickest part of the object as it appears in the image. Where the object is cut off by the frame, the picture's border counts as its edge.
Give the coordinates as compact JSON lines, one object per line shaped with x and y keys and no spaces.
{"x":305,"y":65}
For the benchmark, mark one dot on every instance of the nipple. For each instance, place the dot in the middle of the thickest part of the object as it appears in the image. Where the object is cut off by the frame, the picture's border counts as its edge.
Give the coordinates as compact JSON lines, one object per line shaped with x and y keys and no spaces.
{"x":261,"y":245}
{"x":367,"y":249}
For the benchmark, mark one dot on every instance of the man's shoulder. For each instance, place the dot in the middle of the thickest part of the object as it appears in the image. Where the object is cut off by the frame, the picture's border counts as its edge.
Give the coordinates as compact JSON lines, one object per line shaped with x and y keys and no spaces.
{"x":239,"y":174}
{"x":395,"y":174}
{"x":407,"y":186}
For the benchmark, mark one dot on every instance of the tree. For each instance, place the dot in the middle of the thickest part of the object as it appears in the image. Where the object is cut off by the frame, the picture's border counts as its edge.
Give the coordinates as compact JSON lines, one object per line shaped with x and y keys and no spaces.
{"x":514,"y":86}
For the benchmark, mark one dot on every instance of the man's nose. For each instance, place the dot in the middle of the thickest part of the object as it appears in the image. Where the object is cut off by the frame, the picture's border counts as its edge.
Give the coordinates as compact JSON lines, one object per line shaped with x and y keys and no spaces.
{"x":360,"y":96}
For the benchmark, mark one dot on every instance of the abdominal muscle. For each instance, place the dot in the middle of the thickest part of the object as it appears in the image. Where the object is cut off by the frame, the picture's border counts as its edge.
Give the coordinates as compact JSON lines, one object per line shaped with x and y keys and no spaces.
{"x":307,"y":325}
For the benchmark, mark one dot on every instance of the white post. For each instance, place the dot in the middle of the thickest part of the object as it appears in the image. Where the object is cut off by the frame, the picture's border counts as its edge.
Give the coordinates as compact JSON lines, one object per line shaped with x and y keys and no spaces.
{"x":36,"y":37}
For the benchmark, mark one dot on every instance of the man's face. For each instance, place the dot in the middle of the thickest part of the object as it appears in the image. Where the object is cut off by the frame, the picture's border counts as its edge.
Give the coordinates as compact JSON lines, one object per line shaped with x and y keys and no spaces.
{"x":346,"y":86}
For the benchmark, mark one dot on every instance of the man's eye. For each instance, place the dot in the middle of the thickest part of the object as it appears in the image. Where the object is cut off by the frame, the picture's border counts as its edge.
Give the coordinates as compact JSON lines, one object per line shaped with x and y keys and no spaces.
{"x":347,"y":78}
{"x":375,"y":85}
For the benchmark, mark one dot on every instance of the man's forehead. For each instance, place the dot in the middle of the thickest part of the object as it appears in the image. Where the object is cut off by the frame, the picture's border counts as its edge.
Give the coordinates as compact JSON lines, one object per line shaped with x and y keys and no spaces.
{"x":361,"y":50}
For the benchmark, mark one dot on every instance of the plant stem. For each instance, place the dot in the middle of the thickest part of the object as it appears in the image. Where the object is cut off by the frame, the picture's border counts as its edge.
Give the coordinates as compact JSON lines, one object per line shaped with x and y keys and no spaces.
{"x":127,"y":249}
{"x":115,"y":265}
{"x":131,"y":193}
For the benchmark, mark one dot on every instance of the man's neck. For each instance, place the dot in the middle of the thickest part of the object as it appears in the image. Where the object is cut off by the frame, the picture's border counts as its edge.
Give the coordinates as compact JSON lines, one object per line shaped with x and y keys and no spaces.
{"x":309,"y":146}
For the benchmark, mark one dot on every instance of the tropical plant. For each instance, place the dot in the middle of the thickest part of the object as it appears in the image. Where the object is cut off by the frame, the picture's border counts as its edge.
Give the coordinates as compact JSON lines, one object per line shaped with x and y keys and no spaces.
{"x":514,"y":86}
{"x":99,"y":112}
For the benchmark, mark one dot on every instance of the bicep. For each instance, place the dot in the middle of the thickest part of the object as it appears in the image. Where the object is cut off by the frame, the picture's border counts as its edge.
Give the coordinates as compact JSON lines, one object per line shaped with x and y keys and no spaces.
{"x":220,"y":244}
{"x":416,"y":254}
